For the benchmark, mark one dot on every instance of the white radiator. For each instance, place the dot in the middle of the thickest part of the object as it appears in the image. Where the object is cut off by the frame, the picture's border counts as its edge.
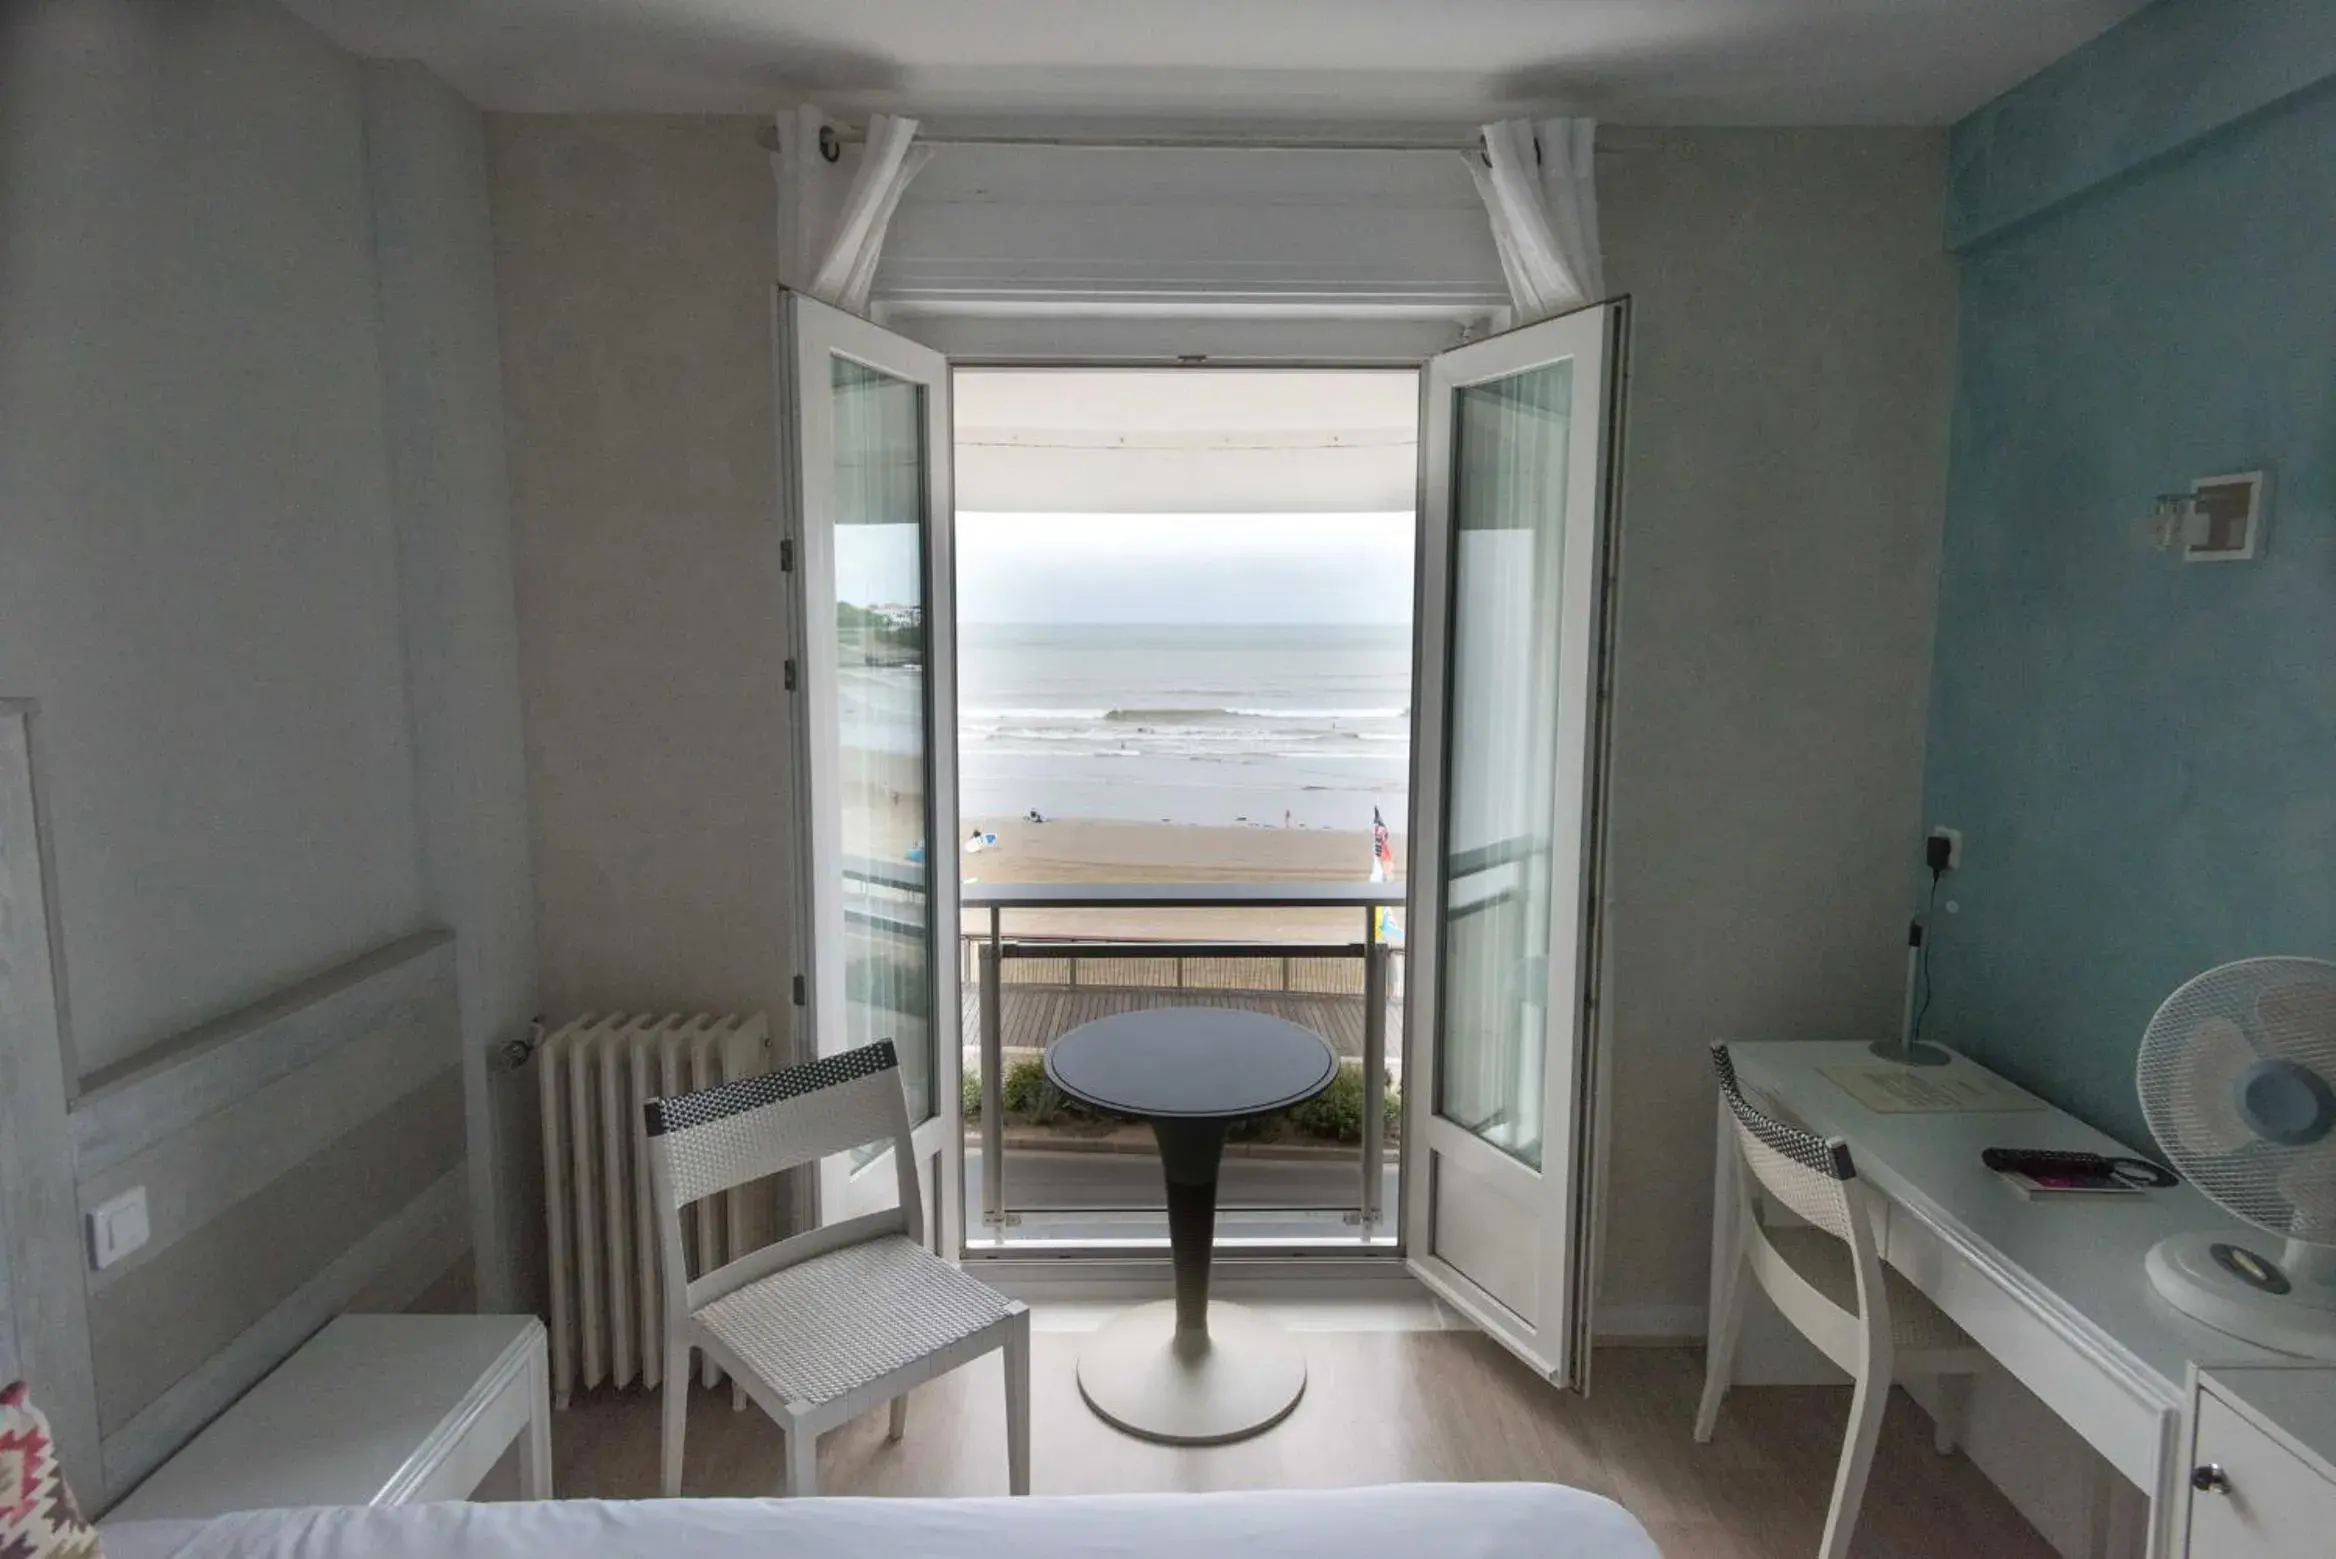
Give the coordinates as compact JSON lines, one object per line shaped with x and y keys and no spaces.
{"x":593,"y":1075}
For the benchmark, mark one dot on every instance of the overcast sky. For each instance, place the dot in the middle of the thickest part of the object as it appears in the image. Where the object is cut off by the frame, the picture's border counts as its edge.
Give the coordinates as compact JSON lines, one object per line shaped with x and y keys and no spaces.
{"x":1184,"y":568}
{"x":1153,"y":568}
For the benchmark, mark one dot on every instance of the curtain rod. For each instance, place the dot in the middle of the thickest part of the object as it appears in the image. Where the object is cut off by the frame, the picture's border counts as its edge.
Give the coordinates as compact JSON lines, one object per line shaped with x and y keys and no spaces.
{"x":833,"y":137}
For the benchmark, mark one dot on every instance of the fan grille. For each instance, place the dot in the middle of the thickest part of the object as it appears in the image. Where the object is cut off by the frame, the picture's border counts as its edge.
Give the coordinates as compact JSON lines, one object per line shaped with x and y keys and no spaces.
{"x":2191,"y":1057}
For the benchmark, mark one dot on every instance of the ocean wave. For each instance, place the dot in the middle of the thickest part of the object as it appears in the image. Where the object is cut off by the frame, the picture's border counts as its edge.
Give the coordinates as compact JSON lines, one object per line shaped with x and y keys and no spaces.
{"x":1172,"y":715}
{"x":1317,"y":714}
{"x":1032,"y":714}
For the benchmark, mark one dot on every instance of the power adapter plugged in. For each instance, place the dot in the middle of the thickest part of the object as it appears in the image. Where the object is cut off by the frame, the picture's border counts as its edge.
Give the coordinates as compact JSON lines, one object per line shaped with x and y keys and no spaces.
{"x":1942,"y":852}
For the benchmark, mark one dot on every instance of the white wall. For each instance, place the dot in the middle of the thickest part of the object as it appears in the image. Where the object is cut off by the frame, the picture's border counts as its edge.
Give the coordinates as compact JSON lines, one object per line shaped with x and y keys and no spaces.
{"x":201,"y":580}
{"x":248,"y":462}
{"x":442,"y":368}
{"x":633,"y":261}
{"x":1785,"y":480}
{"x":9,"y":1369}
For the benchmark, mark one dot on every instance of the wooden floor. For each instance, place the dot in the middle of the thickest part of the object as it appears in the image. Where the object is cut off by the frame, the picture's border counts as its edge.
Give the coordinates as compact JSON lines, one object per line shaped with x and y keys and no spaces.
{"x":1380,"y":1407}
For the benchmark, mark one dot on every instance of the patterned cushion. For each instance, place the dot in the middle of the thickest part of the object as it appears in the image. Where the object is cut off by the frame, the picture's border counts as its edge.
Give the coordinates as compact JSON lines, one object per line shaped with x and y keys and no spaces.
{"x":38,"y":1519}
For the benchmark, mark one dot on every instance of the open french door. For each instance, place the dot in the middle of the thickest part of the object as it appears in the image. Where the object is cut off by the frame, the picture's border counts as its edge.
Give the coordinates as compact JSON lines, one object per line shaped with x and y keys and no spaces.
{"x":1517,"y":455}
{"x":864,"y":475}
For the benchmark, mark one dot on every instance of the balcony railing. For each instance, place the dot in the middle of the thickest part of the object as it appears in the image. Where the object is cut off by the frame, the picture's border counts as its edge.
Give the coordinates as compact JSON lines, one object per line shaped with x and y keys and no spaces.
{"x":1026,"y":986}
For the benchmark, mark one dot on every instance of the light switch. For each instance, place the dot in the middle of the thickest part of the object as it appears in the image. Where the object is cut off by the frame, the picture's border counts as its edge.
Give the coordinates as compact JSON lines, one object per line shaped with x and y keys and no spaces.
{"x":118,"y":1227}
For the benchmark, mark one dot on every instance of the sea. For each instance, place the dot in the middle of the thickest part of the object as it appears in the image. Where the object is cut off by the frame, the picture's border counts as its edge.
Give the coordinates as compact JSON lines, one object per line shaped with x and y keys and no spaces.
{"x":1268,"y":725}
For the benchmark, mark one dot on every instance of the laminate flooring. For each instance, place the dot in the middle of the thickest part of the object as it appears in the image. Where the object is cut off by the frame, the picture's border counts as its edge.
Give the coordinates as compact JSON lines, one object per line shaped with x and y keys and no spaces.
{"x":1380,"y":1406}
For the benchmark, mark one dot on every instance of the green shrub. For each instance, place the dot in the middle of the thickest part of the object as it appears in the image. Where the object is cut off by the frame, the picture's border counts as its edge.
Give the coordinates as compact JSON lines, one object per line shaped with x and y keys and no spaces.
{"x":972,"y":1094}
{"x":1336,"y":1113}
{"x":1030,"y":1095}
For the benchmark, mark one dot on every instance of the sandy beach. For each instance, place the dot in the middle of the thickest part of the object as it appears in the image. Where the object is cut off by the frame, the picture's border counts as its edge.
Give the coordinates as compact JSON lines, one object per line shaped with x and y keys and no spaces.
{"x":1090,"y":850}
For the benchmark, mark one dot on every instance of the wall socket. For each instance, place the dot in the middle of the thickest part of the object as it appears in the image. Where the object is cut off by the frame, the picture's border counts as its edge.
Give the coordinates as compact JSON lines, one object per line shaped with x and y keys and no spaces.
{"x":1954,"y":839}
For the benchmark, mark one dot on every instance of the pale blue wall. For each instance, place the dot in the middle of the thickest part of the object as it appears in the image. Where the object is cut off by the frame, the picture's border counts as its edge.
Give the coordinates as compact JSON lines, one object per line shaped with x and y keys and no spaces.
{"x":2142,"y":753}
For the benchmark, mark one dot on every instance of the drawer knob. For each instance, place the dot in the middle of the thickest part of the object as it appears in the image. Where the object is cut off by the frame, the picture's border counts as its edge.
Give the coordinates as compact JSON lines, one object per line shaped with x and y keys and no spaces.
{"x":2210,"y":1479}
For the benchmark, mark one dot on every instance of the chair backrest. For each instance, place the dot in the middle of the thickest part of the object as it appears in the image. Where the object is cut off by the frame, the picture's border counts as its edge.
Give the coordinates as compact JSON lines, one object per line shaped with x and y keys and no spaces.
{"x":723,"y":1137}
{"x":735,"y":1132}
{"x":1804,"y":1171}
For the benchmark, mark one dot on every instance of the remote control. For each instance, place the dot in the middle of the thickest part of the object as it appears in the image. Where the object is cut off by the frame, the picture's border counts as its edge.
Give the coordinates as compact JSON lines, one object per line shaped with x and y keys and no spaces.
{"x":2039,"y":1163}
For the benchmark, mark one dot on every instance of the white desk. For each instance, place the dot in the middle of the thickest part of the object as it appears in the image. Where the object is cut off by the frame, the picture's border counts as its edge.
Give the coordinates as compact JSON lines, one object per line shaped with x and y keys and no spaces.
{"x":2056,"y":1291}
{"x":373,"y":1410}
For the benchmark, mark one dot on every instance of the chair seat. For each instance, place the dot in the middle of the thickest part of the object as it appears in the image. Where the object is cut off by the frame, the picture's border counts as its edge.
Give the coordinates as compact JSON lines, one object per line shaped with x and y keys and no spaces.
{"x":839,"y":1321}
{"x":1916,"y":1325}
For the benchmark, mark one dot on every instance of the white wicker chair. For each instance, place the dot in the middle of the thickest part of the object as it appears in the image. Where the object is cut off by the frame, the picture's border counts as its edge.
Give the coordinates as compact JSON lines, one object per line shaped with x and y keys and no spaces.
{"x":1828,"y":1280}
{"x":820,"y":1327}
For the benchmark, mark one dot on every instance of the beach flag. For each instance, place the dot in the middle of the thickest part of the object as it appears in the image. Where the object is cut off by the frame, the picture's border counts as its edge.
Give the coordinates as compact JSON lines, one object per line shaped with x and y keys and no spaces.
{"x":1383,"y":870}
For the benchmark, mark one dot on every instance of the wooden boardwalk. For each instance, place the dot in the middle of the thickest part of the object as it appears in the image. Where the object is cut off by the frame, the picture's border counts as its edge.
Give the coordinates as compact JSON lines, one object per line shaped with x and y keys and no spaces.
{"x":1037,"y":1015}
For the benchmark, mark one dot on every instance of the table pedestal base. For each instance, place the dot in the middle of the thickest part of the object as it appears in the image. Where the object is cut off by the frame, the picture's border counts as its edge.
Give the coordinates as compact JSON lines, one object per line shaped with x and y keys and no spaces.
{"x":1241,"y":1376}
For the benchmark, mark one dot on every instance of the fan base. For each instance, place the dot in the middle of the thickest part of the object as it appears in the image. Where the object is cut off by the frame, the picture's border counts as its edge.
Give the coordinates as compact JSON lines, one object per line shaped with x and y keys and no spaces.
{"x":1909,"y":1052}
{"x":2247,"y":1288}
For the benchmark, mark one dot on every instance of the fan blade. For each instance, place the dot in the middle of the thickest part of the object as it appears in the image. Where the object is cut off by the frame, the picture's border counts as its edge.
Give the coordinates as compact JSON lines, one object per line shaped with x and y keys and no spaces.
{"x":2309,"y":1184}
{"x":2205,"y":1111}
{"x":2297,"y":1021}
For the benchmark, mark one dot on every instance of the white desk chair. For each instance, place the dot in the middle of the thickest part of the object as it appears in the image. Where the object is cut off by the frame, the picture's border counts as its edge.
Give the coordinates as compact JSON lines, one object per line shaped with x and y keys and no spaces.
{"x":820,"y":1327}
{"x":1828,"y":1280}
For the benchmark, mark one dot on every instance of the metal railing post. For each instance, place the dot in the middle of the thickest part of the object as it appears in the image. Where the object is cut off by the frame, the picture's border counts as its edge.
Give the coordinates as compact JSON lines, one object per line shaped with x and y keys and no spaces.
{"x":993,"y":1078}
{"x":1374,"y":1067}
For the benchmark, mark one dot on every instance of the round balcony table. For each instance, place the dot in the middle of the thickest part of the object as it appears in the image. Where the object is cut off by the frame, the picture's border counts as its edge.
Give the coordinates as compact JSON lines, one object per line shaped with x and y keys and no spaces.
{"x":1187,"y":1371}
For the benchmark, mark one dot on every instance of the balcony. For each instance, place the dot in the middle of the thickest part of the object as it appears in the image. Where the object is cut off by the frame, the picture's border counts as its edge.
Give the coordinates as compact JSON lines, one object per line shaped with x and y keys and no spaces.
{"x":1040,"y":959}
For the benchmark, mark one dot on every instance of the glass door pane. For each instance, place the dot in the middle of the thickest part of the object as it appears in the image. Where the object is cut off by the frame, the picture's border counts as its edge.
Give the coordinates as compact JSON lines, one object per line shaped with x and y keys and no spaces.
{"x":865,"y":540}
{"x":1510,"y":440}
{"x":883,"y":719}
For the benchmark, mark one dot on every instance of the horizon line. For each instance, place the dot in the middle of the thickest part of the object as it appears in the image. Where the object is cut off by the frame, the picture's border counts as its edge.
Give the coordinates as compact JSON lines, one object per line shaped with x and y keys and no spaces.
{"x":1180,"y":622}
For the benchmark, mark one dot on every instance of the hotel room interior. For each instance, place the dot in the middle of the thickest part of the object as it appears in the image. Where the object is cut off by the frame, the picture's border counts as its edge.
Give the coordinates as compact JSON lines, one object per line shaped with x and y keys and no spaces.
{"x":534,"y":1021}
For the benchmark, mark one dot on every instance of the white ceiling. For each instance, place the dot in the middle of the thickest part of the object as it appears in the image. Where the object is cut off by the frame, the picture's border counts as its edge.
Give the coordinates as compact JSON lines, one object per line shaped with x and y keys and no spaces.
{"x":1184,"y":62}
{"x":1186,"y":441}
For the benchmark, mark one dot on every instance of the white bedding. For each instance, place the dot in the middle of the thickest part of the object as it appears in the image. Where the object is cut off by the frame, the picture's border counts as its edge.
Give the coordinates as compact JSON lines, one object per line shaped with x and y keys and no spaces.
{"x":1402,"y":1521}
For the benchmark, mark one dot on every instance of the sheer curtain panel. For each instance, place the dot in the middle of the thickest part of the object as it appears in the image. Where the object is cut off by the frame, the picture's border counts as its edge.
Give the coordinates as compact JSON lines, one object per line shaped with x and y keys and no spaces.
{"x":1540,"y":190}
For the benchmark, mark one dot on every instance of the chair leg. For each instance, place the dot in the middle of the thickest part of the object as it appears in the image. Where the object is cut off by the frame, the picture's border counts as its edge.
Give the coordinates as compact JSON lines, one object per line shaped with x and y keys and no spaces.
{"x":899,"y":1418}
{"x":1018,"y":1403}
{"x":1857,"y":1460}
{"x":1719,"y":1357}
{"x":802,"y":1459}
{"x":1946,"y":1431}
{"x":676,"y":1389}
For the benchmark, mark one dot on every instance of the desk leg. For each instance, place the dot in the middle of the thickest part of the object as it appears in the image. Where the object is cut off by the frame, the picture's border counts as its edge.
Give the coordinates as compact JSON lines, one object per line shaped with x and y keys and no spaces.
{"x":535,"y":1446}
{"x":1724,"y":1314}
{"x":1727,"y":1218}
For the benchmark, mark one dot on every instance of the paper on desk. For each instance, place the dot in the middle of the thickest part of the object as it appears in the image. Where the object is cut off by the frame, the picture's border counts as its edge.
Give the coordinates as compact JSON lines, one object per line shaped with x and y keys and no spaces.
{"x":1889,"y":1089}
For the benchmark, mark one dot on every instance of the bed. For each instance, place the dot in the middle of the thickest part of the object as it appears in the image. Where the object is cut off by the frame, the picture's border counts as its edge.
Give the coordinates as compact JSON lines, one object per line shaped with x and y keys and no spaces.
{"x":1403,"y":1521}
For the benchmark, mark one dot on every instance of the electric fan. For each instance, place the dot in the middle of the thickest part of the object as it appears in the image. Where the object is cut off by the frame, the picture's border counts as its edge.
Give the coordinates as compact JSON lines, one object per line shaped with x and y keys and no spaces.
{"x":2238,"y":1083}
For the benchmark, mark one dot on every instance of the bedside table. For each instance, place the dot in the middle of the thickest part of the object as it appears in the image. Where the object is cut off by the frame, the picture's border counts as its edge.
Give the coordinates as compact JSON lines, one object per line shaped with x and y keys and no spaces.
{"x":372,"y":1410}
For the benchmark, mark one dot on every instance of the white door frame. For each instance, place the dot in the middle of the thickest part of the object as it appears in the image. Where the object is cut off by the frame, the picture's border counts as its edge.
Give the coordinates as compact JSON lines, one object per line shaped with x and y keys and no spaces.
{"x":1564,"y":1197}
{"x":806,"y":335}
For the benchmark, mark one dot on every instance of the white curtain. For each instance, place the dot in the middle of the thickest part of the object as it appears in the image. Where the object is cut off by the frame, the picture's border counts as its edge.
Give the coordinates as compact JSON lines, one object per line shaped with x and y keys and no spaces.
{"x":1540,"y":190}
{"x":847,"y":270}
